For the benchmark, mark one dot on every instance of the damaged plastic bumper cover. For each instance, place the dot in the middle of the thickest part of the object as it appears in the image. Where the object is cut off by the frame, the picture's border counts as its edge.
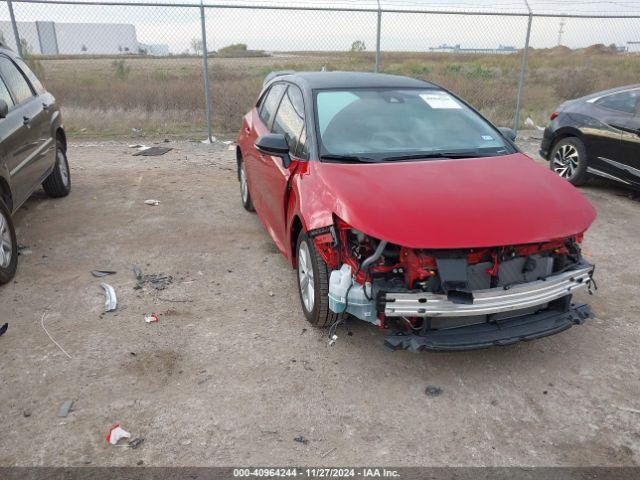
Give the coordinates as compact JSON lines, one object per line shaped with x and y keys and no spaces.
{"x":489,"y":301}
{"x":504,"y":332}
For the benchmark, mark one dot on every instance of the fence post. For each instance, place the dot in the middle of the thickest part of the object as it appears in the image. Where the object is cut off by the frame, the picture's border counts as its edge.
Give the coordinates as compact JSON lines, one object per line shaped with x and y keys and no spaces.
{"x":205,"y":68}
{"x":523,"y":70}
{"x":15,"y":28}
{"x":378,"y":38}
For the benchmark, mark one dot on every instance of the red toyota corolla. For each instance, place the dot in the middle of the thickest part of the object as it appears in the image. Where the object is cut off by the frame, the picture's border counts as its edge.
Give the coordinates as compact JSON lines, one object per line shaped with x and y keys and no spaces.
{"x":401,"y":205}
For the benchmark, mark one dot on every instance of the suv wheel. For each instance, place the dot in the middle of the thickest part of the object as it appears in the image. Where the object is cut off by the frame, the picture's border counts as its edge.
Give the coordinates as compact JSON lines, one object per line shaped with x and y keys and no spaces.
{"x":569,"y":160}
{"x":313,"y":284}
{"x":8,"y":246}
{"x":58,"y":183}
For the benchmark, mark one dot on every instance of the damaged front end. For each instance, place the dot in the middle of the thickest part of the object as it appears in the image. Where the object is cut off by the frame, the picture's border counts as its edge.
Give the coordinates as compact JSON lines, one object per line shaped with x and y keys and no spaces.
{"x":455,"y":299}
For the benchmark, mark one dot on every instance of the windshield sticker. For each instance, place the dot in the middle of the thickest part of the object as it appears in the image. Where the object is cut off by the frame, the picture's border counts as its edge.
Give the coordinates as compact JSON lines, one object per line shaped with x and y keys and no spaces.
{"x":487,"y":138}
{"x":439,"y":100}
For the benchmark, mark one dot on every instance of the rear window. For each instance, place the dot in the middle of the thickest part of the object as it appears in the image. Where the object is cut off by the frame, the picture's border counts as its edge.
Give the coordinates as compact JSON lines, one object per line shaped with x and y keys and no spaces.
{"x":625,"y":102}
{"x":270,"y":103}
{"x":15,"y":80}
{"x":35,"y":82}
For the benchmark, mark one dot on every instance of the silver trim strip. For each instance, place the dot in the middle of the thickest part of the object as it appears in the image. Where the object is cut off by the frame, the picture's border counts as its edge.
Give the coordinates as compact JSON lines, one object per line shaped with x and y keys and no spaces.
{"x":30,"y":157}
{"x":492,"y":300}
{"x":595,"y":171}
{"x":622,"y":166}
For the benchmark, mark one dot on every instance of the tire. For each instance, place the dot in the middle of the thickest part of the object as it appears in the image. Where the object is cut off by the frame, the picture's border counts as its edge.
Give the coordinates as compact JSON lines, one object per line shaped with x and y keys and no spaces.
{"x":569,"y":160}
{"x":312,"y":270}
{"x":8,"y":246}
{"x":58,"y":183}
{"x":245,"y":195}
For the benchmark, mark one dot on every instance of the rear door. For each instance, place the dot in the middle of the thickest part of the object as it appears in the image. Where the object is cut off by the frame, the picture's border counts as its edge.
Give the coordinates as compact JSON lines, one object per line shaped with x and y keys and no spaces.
{"x":631,"y":143}
{"x":260,"y":124}
{"x":25,"y":139}
{"x":612,"y":153}
{"x":290,"y":122}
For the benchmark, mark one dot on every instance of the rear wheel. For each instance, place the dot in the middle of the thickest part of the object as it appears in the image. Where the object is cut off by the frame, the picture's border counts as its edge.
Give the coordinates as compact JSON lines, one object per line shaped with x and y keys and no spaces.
{"x":313,"y":284}
{"x":58,"y":183}
{"x":244,"y":188}
{"x":569,"y":160}
{"x":8,"y":246}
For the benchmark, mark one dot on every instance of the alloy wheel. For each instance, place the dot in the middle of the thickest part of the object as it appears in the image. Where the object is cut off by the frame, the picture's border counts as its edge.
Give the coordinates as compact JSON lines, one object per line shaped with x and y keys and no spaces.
{"x":63,"y":168}
{"x":305,"y":277}
{"x":6,"y":244}
{"x":244,"y":187}
{"x":565,"y":161}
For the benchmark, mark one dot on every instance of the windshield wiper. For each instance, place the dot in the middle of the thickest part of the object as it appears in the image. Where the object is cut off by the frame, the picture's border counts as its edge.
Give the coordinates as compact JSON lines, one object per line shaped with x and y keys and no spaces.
{"x":452,"y":155}
{"x":348,"y":158}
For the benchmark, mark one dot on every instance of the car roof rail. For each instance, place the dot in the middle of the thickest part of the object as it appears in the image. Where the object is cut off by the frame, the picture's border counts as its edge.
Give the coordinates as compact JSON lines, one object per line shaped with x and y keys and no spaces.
{"x":276,"y":74}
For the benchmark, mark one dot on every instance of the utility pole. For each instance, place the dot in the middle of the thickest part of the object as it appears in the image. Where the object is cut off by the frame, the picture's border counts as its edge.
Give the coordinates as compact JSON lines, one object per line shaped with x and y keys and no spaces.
{"x":205,"y":72}
{"x":15,"y":28}
{"x":561,"y":30}
{"x":523,"y":69}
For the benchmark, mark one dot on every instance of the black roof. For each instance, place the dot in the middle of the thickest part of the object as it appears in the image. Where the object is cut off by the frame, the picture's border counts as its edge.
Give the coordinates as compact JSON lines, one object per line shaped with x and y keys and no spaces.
{"x":320,"y":80}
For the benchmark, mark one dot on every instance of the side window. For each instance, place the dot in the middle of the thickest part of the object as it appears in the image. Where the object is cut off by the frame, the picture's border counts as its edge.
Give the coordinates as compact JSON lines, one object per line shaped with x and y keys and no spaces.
{"x":290,"y":121}
{"x":5,"y":95}
{"x":622,"y":102}
{"x":270,"y":103}
{"x":35,"y":83}
{"x":15,"y":80}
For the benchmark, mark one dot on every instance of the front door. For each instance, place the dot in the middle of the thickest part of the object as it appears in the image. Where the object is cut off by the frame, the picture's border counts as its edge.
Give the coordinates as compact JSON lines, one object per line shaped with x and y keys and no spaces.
{"x":289,"y":121}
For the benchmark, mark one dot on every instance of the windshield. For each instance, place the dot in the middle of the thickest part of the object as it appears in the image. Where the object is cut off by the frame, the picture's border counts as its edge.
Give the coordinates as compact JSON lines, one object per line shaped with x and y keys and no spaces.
{"x":382,"y":124}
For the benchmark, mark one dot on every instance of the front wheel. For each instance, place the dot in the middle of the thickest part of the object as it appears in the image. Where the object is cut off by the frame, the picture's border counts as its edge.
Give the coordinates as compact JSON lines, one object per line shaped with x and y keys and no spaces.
{"x":8,"y":246}
{"x":313,"y":284}
{"x":569,"y":160}
{"x":58,"y":183}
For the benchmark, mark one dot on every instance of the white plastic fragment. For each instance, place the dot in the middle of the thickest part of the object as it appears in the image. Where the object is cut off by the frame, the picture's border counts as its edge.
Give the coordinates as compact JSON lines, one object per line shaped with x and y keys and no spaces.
{"x":151,"y":317}
{"x":111,"y":302}
{"x":152,"y":202}
{"x":116,"y":433}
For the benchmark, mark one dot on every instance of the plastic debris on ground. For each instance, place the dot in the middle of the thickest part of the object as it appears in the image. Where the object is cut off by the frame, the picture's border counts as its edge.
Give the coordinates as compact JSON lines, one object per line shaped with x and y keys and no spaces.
{"x":158,"y":281}
{"x":151,"y":318}
{"x":3,"y":329}
{"x":301,"y":440}
{"x":116,"y":433}
{"x":136,"y":442}
{"x":111,"y":301}
{"x":65,"y":408}
{"x":24,"y":249}
{"x":102,"y":273}
{"x":433,"y":391}
{"x":152,"y":202}
{"x":152,"y":151}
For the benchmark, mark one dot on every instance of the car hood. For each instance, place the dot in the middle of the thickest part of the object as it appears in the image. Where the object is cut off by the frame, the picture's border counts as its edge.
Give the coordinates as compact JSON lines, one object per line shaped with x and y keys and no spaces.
{"x":457,"y":203}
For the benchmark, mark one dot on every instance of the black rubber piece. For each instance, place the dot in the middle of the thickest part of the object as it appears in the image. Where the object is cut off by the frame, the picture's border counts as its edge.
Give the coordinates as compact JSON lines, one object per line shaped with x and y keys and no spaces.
{"x":485,"y":335}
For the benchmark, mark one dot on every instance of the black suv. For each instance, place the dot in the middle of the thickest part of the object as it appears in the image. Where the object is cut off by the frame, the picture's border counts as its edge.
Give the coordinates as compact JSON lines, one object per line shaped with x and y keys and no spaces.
{"x":32,"y":149}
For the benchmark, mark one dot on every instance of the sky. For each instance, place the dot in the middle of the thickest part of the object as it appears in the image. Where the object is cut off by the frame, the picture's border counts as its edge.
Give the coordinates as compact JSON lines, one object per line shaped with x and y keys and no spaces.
{"x":274,"y":30}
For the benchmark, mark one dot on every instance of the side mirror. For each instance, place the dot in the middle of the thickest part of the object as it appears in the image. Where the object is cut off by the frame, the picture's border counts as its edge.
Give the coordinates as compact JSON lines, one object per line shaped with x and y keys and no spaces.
{"x":274,"y":144}
{"x":509,"y":133}
{"x":4,"y":109}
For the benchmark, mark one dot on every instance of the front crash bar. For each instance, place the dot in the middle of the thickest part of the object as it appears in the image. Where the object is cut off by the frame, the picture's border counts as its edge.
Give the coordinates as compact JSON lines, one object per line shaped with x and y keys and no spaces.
{"x":492,"y":300}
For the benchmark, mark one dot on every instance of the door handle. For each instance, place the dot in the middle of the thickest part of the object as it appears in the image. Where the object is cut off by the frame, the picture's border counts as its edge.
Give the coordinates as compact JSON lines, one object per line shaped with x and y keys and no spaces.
{"x":26,"y":121}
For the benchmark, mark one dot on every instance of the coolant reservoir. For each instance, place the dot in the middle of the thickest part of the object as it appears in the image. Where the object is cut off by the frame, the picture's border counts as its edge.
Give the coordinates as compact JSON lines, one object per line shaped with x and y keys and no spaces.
{"x":360,"y":303}
{"x":339,"y":283}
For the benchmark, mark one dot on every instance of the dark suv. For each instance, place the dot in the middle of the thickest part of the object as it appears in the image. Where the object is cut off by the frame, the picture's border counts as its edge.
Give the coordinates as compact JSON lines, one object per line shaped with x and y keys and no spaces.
{"x":32,"y":149}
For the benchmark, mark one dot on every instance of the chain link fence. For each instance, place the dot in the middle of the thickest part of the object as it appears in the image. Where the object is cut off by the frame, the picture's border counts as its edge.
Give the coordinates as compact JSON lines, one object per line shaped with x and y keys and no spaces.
{"x":154,"y":68}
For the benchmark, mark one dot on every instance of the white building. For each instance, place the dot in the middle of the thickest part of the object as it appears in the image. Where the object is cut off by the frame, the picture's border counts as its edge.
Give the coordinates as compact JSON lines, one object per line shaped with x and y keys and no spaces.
{"x":52,"y":38}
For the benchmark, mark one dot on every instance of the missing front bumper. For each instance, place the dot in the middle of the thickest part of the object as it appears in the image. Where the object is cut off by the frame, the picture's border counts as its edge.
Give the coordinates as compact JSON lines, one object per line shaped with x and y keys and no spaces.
{"x":504,"y":332}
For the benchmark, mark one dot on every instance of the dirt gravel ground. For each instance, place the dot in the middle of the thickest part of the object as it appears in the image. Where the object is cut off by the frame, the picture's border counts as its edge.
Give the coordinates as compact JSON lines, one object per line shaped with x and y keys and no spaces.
{"x":232,"y":373}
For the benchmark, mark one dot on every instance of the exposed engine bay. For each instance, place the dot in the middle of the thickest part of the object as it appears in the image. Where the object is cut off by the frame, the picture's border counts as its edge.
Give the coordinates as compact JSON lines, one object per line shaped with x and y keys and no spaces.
{"x":421,"y":294}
